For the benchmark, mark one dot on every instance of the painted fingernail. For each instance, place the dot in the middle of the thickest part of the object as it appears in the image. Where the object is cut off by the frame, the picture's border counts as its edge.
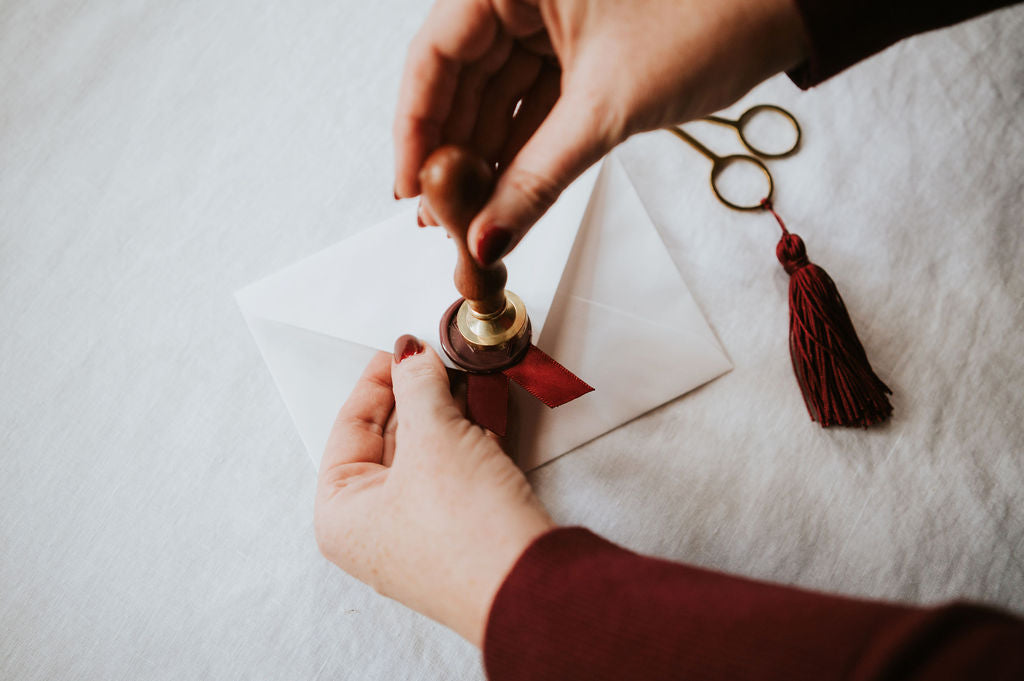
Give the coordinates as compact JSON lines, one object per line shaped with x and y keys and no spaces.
{"x":419,"y":220}
{"x":493,"y":244}
{"x":406,"y":346}
{"x":396,"y":195}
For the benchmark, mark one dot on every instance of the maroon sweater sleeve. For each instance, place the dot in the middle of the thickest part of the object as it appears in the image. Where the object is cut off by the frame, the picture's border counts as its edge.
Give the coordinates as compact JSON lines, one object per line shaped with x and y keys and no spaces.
{"x":576,"y":607}
{"x":842,"y":32}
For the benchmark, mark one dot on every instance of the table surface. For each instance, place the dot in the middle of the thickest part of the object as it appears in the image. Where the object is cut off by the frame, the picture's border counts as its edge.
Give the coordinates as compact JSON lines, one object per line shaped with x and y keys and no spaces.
{"x":156,"y":502}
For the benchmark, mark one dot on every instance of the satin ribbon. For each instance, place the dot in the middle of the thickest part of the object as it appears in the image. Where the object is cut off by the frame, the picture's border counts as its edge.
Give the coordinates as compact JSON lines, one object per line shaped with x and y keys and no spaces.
{"x":536,"y":372}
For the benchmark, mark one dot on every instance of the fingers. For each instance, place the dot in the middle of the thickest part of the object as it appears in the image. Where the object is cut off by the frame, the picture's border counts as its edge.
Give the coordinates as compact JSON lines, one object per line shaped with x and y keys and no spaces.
{"x":472,"y":81}
{"x":482,"y":109}
{"x":358,"y":433}
{"x":572,"y":137}
{"x":423,"y":397}
{"x":535,"y":107}
{"x":420,"y":114}
{"x":499,"y":101}
{"x":521,"y":18}
{"x":461,"y":40}
{"x":455,"y":32}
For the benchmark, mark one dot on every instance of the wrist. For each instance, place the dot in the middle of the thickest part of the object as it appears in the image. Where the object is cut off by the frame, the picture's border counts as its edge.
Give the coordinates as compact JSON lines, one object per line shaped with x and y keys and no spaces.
{"x":499,"y":559}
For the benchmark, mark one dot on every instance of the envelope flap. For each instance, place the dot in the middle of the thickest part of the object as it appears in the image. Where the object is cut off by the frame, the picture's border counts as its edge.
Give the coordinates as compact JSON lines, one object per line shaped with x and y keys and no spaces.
{"x":621,"y":263}
{"x":394,"y":278}
{"x":624,"y":321}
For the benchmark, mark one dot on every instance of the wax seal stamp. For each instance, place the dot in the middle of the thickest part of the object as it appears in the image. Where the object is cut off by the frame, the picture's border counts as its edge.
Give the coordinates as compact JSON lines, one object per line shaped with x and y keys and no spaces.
{"x":486,"y":332}
{"x":487,"y":329}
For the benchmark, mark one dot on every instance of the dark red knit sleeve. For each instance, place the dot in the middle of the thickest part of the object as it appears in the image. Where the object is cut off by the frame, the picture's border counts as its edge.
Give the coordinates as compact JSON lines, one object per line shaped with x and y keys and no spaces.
{"x":578,"y":607}
{"x":842,"y":32}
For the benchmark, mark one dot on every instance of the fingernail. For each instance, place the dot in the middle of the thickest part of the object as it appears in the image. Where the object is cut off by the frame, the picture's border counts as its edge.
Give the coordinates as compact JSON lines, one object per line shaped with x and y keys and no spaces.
{"x":406,"y":346}
{"x":419,"y":220}
{"x":492,"y":244}
{"x":396,"y":194}
{"x":424,"y":215}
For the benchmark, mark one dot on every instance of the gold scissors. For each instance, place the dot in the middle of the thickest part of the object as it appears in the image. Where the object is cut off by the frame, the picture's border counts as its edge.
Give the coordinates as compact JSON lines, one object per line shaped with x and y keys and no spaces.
{"x":720,"y":163}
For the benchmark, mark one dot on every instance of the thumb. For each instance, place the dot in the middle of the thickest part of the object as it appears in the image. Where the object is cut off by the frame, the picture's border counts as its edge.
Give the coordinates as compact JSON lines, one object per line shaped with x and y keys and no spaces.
{"x":420,"y":382}
{"x":568,"y":142}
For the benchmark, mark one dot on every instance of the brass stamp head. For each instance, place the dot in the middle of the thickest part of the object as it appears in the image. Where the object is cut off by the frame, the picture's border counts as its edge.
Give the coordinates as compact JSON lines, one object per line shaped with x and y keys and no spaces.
{"x":495,"y":329}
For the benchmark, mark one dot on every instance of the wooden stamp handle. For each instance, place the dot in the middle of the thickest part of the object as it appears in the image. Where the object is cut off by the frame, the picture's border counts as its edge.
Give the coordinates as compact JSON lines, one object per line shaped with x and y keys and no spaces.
{"x":456,"y":184}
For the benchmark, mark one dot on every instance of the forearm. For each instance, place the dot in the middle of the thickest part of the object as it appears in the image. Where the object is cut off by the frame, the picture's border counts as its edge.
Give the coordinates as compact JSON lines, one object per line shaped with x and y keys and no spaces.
{"x":843,"y":32}
{"x":578,"y":607}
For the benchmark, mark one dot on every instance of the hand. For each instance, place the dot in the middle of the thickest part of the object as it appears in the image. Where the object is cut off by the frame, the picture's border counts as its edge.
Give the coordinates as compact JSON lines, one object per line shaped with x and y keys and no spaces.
{"x":588,"y":75}
{"x":418,"y":502}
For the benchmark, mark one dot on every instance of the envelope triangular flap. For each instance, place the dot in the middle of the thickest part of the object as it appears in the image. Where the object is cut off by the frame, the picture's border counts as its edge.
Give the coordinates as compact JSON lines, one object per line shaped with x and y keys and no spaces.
{"x":620,"y":260}
{"x":624,"y":321}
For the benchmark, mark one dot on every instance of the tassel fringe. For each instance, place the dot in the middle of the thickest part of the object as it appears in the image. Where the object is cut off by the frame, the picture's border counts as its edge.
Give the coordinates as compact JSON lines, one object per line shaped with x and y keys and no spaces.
{"x":831,"y":367}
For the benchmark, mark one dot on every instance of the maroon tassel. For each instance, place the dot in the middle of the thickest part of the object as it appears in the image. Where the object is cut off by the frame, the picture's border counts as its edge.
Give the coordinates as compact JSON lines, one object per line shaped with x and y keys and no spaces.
{"x":830,"y":364}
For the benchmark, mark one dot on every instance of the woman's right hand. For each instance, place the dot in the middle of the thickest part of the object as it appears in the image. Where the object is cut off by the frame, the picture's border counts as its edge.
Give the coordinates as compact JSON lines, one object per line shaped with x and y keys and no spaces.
{"x":588,"y":73}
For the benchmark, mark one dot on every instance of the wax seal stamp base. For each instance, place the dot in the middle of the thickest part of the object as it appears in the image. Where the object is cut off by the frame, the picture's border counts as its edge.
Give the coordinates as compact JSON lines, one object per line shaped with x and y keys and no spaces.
{"x":480,"y":347}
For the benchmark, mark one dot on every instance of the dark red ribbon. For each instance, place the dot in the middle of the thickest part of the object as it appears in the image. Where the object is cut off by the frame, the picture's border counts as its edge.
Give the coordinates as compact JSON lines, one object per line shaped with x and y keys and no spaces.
{"x":536,"y":372}
{"x":487,"y":401}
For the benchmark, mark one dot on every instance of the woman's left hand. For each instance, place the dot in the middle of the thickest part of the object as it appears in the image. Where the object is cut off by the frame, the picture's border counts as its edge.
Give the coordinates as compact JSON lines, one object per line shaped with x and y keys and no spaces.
{"x":418,"y":502}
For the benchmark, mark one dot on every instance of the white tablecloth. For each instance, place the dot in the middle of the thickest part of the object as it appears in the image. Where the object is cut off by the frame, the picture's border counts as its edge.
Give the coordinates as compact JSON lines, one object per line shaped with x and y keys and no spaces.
{"x":155,"y":500}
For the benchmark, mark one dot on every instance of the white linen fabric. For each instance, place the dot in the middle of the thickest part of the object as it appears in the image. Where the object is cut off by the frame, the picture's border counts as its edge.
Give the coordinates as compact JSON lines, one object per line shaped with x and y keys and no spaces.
{"x":155,"y":499}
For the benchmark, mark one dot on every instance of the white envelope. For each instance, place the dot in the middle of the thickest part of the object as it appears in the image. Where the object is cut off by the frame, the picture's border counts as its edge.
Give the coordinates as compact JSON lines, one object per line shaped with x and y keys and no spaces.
{"x":603,"y":295}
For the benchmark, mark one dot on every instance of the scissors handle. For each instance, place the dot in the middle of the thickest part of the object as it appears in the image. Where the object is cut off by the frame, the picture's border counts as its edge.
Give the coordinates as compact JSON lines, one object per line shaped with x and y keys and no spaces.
{"x":692,"y":141}
{"x":718,"y":166}
{"x":740,"y":126}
